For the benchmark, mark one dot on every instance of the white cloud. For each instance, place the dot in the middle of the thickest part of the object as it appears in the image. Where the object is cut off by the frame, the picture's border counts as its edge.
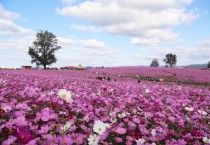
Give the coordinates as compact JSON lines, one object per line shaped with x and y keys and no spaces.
{"x":154,"y":37}
{"x":16,"y":43}
{"x":87,"y":52}
{"x":87,"y":28}
{"x":23,"y":43}
{"x":65,"y":41}
{"x":145,"y":41}
{"x":8,"y":15}
{"x":139,"y":56}
{"x":185,"y":55}
{"x":92,"y":43}
{"x":17,"y":61}
{"x":151,"y":4}
{"x":136,"y":18}
{"x":205,"y":44}
{"x":8,"y":27}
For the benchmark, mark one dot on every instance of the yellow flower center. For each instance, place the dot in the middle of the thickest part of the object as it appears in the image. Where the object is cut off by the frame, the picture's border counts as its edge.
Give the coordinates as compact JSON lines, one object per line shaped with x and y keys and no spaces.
{"x":94,"y":140}
{"x":99,"y":129}
{"x":22,"y":137}
{"x":63,"y":96}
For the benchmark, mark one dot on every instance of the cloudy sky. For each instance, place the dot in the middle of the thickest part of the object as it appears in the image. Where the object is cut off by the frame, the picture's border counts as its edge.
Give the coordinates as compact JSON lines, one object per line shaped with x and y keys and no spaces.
{"x":107,"y":32}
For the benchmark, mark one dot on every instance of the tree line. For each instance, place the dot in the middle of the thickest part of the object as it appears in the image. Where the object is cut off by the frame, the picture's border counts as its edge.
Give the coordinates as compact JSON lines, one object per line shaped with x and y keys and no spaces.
{"x":170,"y":60}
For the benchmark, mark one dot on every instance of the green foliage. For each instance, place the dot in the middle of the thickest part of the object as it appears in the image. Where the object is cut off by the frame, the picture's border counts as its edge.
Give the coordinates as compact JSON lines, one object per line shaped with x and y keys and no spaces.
{"x":170,"y":59}
{"x":43,"y":49}
{"x":154,"y":63}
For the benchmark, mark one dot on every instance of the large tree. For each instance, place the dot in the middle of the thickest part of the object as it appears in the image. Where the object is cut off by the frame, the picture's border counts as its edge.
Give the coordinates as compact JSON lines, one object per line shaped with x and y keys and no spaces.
{"x":43,"y":49}
{"x":170,"y":59}
{"x":208,"y":65}
{"x":154,"y":63}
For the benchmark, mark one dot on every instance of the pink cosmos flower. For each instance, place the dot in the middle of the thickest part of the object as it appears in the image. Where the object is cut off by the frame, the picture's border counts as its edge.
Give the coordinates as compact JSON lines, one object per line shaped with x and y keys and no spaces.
{"x":66,"y":140}
{"x":45,"y":117}
{"x":9,"y":124}
{"x":182,"y":142}
{"x":118,"y":140}
{"x":120,"y":130}
{"x":21,"y":121}
{"x":172,"y":119}
{"x":44,"y":129}
{"x":51,"y":139}
{"x":9,"y":141}
{"x":33,"y":142}
{"x":153,"y":132}
{"x":19,"y":113}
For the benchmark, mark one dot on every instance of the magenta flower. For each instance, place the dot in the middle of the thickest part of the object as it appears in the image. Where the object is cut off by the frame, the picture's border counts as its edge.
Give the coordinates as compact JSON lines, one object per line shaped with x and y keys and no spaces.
{"x":23,"y":135}
{"x":197,"y":134}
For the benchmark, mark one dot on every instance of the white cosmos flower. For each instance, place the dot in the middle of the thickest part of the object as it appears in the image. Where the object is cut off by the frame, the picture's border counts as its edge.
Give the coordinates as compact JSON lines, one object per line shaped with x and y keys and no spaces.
{"x":188,"y":119}
{"x":6,"y":108}
{"x":140,"y":140}
{"x":112,"y":113}
{"x":51,"y":93}
{"x":202,"y":112}
{"x":99,"y":127}
{"x":62,"y":112}
{"x":66,"y":126}
{"x":206,"y":140}
{"x":190,"y":109}
{"x":66,"y":95}
{"x":122,"y":115}
{"x":147,"y":90}
{"x":107,"y":125}
{"x":113,"y":120}
{"x":93,"y":139}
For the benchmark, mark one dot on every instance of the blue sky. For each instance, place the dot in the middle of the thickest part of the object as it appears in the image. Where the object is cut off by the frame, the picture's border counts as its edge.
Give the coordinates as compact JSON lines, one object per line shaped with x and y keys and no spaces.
{"x":107,"y":32}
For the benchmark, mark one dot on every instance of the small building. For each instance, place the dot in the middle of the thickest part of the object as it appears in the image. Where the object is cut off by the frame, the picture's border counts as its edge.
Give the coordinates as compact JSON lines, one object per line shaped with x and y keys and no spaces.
{"x":37,"y":68}
{"x":88,"y":67}
{"x":71,"y":67}
{"x":80,"y":67}
{"x":26,"y":67}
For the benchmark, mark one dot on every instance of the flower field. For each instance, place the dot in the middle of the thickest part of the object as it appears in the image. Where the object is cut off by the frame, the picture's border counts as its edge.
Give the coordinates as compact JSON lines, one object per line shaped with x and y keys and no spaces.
{"x":64,"y":107}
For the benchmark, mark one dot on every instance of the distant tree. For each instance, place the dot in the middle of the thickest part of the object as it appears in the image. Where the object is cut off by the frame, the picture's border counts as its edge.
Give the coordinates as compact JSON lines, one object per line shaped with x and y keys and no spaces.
{"x":43,"y":49}
{"x":170,"y":59}
{"x":154,"y":63}
{"x":208,"y":65}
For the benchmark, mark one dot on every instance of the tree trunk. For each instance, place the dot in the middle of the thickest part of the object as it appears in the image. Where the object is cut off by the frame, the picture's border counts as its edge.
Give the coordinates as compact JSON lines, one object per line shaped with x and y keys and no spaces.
{"x":44,"y":66}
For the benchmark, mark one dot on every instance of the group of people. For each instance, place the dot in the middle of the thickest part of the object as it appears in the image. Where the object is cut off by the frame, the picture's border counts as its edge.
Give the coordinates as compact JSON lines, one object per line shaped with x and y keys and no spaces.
{"x":105,"y":78}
